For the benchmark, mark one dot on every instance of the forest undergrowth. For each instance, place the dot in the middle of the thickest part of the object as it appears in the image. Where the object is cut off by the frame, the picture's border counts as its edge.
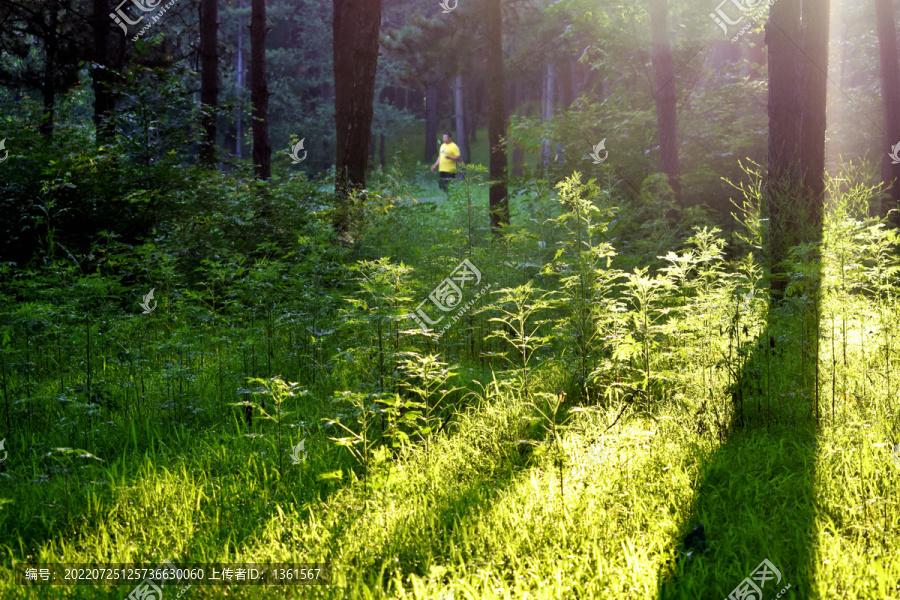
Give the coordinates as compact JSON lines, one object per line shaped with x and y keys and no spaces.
{"x":609,"y":382}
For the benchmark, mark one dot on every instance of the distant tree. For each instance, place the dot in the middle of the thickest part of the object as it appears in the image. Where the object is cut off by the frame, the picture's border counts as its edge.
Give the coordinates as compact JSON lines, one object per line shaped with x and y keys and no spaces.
{"x":666,"y":110}
{"x":356,"y":27}
{"x":498,"y":203}
{"x":209,"y":77}
{"x":889,"y":70}
{"x":259,"y":90}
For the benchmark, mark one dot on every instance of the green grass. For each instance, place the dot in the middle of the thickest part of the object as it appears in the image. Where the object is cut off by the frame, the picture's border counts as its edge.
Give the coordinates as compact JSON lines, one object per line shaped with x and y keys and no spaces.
{"x":506,"y":501}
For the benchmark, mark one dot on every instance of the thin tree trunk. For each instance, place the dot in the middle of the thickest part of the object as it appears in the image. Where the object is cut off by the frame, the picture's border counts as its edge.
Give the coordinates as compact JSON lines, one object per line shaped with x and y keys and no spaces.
{"x":783,"y":41}
{"x":566,"y":91}
{"x":259,"y":90}
{"x":547,"y":102}
{"x":498,"y":201}
{"x":889,"y":70}
{"x":356,"y":27}
{"x":100,"y":75}
{"x":459,"y":111}
{"x":239,"y":92}
{"x":518,"y":154}
{"x":431,"y":123}
{"x":209,"y":78}
{"x":381,"y":154}
{"x":49,"y":84}
{"x":666,"y":110}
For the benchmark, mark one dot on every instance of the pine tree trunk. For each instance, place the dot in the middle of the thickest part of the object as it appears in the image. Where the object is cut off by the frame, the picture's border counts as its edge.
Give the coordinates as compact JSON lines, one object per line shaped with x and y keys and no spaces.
{"x":547,"y":102}
{"x":48,"y":90}
{"x":666,"y":110}
{"x":498,"y":201}
{"x":816,"y":22}
{"x":784,"y":183}
{"x":239,"y":92}
{"x":889,"y":71}
{"x":104,"y":103}
{"x":431,"y":123}
{"x":259,"y":90}
{"x":209,"y":78}
{"x":518,"y":154}
{"x":357,"y":24}
{"x":459,"y":111}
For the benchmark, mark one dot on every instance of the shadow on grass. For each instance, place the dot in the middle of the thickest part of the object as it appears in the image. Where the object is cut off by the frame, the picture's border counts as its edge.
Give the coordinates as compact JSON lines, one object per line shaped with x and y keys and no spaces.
{"x":756,"y":496}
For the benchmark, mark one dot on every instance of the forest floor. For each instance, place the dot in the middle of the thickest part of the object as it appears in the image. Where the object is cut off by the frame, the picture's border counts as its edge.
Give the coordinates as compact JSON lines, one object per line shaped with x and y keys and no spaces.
{"x":523,"y":492}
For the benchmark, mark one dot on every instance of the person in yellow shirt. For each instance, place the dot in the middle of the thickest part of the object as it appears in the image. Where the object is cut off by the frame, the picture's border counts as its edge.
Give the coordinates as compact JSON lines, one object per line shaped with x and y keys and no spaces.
{"x":447,"y":160}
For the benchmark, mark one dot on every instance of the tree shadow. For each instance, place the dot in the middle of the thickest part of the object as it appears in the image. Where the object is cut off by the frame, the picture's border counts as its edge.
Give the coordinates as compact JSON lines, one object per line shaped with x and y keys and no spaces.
{"x":756,"y":495}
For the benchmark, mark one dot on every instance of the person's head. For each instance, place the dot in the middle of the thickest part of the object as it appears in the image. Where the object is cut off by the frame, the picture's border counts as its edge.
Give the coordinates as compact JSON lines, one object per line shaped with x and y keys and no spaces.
{"x":447,"y":137}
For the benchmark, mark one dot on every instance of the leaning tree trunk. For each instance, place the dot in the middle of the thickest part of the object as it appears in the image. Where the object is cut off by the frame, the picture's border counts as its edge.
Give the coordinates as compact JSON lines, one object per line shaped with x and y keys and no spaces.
{"x":814,"y":81}
{"x":357,"y":24}
{"x":259,"y":90}
{"x":890,"y":92}
{"x":784,"y":182}
{"x":666,"y":110}
{"x":104,"y":102}
{"x":209,"y":78}
{"x":498,"y":203}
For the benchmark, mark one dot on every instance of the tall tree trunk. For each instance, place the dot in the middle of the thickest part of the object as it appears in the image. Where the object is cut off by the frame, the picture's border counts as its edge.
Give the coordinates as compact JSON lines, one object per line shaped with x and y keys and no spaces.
{"x":814,"y":81}
{"x":431,"y":123}
{"x":357,"y":24}
{"x":100,"y":75}
{"x":784,"y":181}
{"x":239,"y":92}
{"x":566,"y":90}
{"x":475,"y":113}
{"x":889,"y":69}
{"x":209,"y":78}
{"x":459,"y":114}
{"x":518,"y":154}
{"x":259,"y":90}
{"x":547,"y":102}
{"x":498,"y":201}
{"x":49,"y":84}
{"x":666,"y":110}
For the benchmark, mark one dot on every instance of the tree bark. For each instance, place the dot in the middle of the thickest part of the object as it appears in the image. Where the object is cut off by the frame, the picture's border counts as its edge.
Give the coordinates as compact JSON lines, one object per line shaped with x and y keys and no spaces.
{"x":784,"y":181}
{"x":239,"y":76}
{"x":547,"y":102}
{"x":48,"y":90}
{"x":518,"y":153}
{"x":498,"y":201}
{"x":356,"y":26}
{"x":889,"y":71}
{"x":259,"y":91}
{"x":459,"y":113}
{"x":104,"y":103}
{"x":566,"y":90}
{"x":209,"y":79}
{"x":431,"y":123}
{"x":816,"y":22}
{"x":666,"y":110}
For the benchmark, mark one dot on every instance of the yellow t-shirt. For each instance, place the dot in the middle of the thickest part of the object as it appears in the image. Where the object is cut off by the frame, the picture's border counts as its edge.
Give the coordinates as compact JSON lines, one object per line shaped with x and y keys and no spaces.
{"x":446,"y":165}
